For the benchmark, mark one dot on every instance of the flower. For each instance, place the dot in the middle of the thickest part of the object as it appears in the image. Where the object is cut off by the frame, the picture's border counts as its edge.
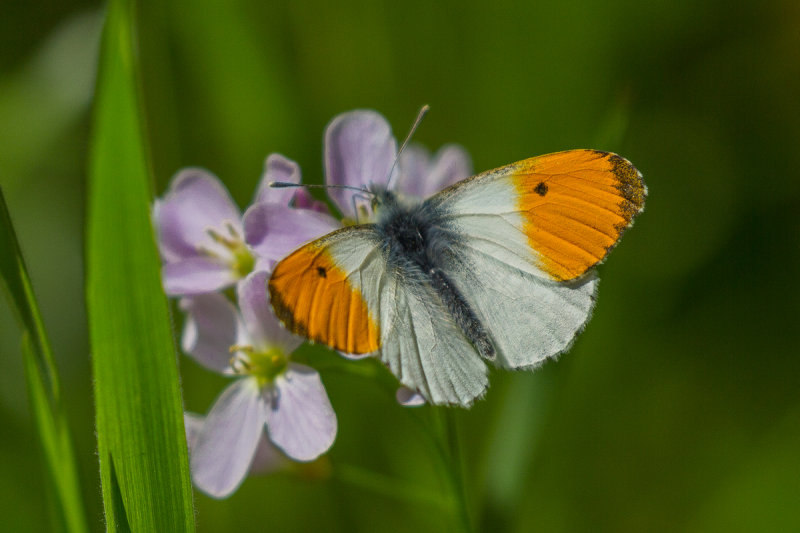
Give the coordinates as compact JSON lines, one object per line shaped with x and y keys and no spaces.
{"x":271,"y":396}
{"x":201,"y":231}
{"x":360,"y":152}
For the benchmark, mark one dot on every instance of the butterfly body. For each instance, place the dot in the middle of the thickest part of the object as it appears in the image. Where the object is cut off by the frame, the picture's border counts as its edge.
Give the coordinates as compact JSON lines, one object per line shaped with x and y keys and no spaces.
{"x":496,"y":267}
{"x":416,"y":248}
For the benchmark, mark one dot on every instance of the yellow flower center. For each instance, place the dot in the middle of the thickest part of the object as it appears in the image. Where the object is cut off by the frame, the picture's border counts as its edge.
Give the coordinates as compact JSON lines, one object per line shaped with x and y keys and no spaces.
{"x":243,"y":261}
{"x":240,"y":259}
{"x":263,"y":365}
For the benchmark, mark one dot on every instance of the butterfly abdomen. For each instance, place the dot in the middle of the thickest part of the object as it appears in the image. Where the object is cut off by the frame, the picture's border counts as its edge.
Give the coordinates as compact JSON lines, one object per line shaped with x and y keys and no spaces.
{"x":462,"y":313}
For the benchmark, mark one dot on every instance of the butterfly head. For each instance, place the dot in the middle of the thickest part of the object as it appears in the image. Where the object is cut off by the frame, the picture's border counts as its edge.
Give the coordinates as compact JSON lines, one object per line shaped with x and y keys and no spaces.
{"x":380,"y":195}
{"x":386,"y":203}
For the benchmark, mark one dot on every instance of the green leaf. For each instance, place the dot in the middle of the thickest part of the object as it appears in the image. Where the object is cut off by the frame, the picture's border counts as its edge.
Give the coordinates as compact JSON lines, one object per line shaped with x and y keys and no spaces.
{"x":143,"y":457}
{"x":43,"y":386}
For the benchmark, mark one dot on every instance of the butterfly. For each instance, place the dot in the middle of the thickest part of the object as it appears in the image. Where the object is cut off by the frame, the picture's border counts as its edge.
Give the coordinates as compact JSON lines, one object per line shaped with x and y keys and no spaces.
{"x":498,"y":267}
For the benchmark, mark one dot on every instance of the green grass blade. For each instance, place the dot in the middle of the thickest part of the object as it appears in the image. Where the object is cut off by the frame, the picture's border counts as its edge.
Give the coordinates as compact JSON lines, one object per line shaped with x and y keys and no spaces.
{"x":57,"y":444}
{"x":43,"y":387}
{"x":143,"y":458}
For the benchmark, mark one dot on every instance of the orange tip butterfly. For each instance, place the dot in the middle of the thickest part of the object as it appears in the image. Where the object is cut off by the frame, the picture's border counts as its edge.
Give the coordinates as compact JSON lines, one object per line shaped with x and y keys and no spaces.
{"x":498,"y":267}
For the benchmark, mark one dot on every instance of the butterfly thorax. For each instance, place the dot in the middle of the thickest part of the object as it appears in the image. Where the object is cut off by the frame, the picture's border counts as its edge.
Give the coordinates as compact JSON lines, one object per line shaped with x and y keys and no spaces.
{"x":418,"y":251}
{"x":403,"y":227}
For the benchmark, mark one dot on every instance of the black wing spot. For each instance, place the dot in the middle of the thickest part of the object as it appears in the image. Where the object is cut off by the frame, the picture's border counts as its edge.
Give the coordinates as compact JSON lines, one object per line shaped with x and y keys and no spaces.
{"x":322,"y":273}
{"x":540,"y":189}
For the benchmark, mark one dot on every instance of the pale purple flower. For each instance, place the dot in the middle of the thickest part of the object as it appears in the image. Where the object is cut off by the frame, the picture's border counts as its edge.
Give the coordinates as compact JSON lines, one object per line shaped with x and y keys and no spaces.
{"x":202,"y":234}
{"x":360,"y":151}
{"x":271,"y":396}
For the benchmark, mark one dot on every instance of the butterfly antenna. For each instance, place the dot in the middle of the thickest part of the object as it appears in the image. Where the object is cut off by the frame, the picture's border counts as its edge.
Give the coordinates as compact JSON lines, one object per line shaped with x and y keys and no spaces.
{"x":285,"y":184}
{"x":422,"y":112}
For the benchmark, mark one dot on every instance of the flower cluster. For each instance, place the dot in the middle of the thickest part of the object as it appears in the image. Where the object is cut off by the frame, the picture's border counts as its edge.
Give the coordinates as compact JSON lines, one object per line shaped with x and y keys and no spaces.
{"x":274,"y":409}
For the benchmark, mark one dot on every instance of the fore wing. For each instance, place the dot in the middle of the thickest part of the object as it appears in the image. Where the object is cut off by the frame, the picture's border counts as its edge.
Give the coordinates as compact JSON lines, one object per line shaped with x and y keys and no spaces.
{"x":317,"y":291}
{"x":560,"y":213}
{"x":520,"y":242}
{"x":339,"y":291}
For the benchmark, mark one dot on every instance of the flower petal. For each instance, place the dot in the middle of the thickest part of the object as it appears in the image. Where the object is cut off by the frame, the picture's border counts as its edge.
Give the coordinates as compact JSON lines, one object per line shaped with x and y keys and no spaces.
{"x":301,"y":420}
{"x":268,"y":457}
{"x":266,"y":460}
{"x":359,"y":151}
{"x":304,"y":200}
{"x":262,"y":325}
{"x":226,"y":444}
{"x":414,"y":164}
{"x":212,"y":326}
{"x":451,"y":164}
{"x":195,"y":202}
{"x":278,"y":168}
{"x":422,"y":177}
{"x":272,"y":231}
{"x":196,"y":275}
{"x":409,"y":398}
{"x":263,"y":264}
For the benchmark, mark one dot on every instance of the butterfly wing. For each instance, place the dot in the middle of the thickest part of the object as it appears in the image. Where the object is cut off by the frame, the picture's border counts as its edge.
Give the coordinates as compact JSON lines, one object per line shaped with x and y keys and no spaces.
{"x":519,"y":243}
{"x":424,"y":347}
{"x":528,"y":318}
{"x":339,"y":291}
{"x":318,"y":292}
{"x":561,"y":213}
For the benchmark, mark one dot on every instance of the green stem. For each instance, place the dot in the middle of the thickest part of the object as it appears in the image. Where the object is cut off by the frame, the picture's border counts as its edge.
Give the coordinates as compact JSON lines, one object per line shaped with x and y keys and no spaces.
{"x":439,"y":425}
{"x":455,"y":468}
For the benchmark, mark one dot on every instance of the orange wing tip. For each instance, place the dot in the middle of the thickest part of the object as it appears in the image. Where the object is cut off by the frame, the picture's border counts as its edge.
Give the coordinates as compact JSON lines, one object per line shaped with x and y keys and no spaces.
{"x":576,"y":204}
{"x":314,"y":298}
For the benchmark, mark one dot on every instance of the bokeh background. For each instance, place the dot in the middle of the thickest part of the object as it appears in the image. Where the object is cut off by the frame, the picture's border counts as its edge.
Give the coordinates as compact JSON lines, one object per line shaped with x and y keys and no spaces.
{"x":679,"y":406}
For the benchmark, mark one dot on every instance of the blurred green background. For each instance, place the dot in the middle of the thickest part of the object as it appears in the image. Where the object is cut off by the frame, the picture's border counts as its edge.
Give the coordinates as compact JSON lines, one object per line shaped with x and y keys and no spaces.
{"x":677,"y":409}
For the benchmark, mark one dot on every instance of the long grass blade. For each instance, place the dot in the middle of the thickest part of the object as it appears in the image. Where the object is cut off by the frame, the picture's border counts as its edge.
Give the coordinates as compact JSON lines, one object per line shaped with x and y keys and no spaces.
{"x":141,"y":442}
{"x":41,"y":376}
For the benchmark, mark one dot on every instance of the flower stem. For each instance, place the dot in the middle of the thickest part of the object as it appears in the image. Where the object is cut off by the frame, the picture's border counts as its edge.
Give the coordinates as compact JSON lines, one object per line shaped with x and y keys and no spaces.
{"x":455,"y":469}
{"x":440,"y":426}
